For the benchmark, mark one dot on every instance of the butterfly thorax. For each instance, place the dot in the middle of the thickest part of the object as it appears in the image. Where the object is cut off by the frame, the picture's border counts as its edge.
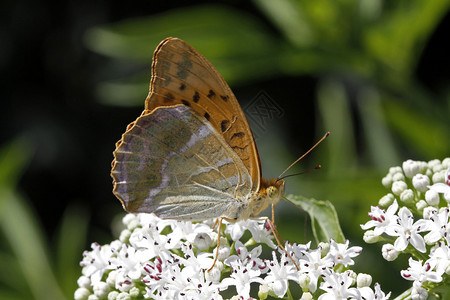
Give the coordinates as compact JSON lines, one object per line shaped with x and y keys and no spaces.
{"x":270,"y":192}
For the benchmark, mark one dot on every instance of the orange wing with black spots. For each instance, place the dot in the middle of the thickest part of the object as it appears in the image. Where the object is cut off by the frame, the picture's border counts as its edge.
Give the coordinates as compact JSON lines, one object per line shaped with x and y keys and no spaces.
{"x":181,"y":75}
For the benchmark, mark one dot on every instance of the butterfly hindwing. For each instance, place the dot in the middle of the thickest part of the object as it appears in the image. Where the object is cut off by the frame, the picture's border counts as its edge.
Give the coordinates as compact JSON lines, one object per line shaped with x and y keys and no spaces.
{"x":174,"y":163}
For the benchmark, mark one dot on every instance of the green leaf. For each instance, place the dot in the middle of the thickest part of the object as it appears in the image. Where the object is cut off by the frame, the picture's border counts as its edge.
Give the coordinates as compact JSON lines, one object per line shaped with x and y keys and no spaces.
{"x":22,"y":231}
{"x":70,"y":242}
{"x":324,"y":219}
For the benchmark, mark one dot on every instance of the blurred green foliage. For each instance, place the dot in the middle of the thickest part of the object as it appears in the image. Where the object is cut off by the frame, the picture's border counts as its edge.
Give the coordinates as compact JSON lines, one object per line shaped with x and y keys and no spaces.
{"x":31,"y":269}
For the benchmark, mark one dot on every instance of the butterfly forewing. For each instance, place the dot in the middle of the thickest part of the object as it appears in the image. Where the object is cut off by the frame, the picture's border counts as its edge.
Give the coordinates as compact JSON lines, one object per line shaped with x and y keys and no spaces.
{"x":180,"y":75}
{"x":174,"y":163}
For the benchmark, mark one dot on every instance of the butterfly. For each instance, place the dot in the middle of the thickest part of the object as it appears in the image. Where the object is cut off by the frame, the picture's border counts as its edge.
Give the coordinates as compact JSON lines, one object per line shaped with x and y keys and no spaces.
{"x":191,"y":154}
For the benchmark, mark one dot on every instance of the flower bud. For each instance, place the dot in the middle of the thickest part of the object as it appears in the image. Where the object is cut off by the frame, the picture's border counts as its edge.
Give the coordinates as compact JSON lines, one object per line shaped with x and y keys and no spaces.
{"x":84,"y":281}
{"x":263,"y":292}
{"x":113,"y":295}
{"x":389,"y":253}
{"x":421,"y":205}
{"x":398,"y":187}
{"x":394,"y":170}
{"x":411,"y":168}
{"x":421,"y":182}
{"x":203,"y":241}
{"x":111,"y":279}
{"x":214,"y":274}
{"x":438,"y":177}
{"x":324,"y":248}
{"x":101,"y":289}
{"x":386,"y":200}
{"x":398,"y":177}
{"x":387,"y":181}
{"x":134,"y":292}
{"x":125,"y":236}
{"x":81,"y":294}
{"x":363,"y":280}
{"x":407,"y":196}
{"x":370,"y":237}
{"x":432,"y":198}
{"x":307,"y":296}
{"x":304,"y":281}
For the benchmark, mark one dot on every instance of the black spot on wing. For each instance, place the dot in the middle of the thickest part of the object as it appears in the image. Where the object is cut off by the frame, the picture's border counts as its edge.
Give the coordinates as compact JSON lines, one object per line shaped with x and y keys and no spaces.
{"x":225,"y":98}
{"x":211,"y":94}
{"x":224,"y":125}
{"x":237,"y":135}
{"x":240,"y":148}
{"x":196,"y":97}
{"x":185,"y":102}
{"x":169,"y":97}
{"x":182,"y":87}
{"x":207,"y":116}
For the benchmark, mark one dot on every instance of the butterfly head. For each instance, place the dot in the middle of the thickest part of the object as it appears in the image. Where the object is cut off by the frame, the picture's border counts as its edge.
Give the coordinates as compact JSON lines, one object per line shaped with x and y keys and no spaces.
{"x":273,"y":189}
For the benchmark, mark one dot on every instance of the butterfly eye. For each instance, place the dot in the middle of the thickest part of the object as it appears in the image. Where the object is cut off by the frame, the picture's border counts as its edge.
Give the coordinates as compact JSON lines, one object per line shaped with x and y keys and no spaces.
{"x":272,"y":192}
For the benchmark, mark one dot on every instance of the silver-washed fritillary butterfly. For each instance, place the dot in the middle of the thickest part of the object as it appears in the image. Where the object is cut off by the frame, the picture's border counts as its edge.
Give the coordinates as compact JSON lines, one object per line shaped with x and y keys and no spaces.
{"x":191,"y":154}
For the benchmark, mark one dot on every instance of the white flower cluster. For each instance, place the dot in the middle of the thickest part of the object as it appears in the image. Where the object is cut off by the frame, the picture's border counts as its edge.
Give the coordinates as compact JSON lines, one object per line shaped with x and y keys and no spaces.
{"x":164,"y":259}
{"x":414,"y":219}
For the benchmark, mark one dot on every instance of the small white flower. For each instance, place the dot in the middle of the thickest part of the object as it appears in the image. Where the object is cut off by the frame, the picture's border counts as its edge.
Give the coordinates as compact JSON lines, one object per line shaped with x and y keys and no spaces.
{"x":411,"y":168}
{"x":418,"y":292}
{"x":244,"y":257}
{"x":388,"y":252}
{"x":341,"y":254}
{"x":441,"y":188}
{"x":398,"y":187}
{"x":381,"y":219}
{"x":241,"y":277}
{"x":96,"y":262}
{"x":368,"y":294}
{"x":128,"y":262}
{"x":279,"y":274}
{"x":437,"y":225}
{"x":408,"y":231}
{"x":429,"y":211}
{"x":441,"y":254}
{"x":338,"y":286}
{"x":421,"y":273}
{"x":421,"y":182}
{"x":314,"y":265}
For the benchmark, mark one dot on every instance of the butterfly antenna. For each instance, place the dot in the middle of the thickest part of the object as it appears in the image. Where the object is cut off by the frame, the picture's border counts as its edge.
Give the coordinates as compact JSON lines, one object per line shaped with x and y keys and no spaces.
{"x":306,"y":153}
{"x":300,"y":173}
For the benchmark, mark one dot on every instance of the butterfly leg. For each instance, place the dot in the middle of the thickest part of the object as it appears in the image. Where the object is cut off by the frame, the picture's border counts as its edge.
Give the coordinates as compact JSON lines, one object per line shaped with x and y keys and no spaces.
{"x":218,"y":243}
{"x":277,"y":235}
